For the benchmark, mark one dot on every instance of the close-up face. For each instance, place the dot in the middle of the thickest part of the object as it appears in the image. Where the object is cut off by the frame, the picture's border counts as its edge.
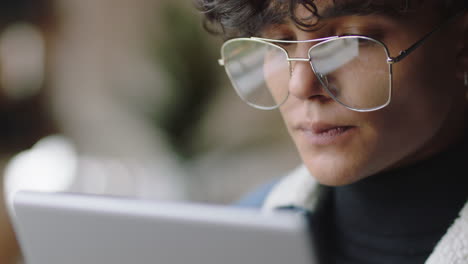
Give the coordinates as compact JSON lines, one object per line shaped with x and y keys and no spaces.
{"x":426,"y":109}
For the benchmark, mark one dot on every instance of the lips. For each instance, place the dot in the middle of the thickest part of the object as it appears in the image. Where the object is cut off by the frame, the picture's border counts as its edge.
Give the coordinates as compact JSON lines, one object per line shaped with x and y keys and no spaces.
{"x":320,"y":127}
{"x":332,"y":131}
{"x":324,"y":134}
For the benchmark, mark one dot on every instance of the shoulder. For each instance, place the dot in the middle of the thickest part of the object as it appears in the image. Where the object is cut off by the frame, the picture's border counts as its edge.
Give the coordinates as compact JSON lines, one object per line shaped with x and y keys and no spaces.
{"x":298,"y":189}
{"x":256,"y":198}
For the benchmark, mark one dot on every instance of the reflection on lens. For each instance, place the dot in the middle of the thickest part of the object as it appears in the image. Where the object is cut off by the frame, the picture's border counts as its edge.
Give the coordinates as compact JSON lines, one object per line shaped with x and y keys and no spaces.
{"x":354,"y":70}
{"x":258,"y":70}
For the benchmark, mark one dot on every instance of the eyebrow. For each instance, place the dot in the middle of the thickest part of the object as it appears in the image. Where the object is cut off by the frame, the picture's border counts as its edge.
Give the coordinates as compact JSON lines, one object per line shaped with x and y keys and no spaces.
{"x":362,"y":8}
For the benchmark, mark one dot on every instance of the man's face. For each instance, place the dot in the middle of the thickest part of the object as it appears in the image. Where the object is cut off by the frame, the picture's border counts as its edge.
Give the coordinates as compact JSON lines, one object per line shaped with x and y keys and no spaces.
{"x":427,"y":111}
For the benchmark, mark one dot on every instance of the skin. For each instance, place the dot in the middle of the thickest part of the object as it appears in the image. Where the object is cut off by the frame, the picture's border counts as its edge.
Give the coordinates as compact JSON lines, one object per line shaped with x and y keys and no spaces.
{"x":427,"y":113}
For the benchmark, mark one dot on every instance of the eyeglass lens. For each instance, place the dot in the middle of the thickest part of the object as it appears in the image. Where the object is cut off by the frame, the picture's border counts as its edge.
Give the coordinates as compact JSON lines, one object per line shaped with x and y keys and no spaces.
{"x":353,"y":70}
{"x":258,"y":71}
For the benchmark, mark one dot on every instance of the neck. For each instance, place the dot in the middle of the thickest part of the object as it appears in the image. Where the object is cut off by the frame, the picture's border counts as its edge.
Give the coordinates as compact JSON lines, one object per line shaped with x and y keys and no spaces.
{"x":405,"y":208}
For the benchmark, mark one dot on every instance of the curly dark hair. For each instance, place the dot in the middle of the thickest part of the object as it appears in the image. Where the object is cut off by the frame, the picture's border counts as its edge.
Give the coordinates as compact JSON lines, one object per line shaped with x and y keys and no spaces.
{"x":234,"y":18}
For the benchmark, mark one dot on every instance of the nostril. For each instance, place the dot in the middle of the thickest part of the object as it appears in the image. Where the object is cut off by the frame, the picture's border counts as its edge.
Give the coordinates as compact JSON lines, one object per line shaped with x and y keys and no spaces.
{"x":320,"y":97}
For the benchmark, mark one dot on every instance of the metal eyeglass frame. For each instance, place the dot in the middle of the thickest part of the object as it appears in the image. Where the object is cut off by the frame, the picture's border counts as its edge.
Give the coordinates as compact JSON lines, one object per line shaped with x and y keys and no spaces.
{"x":390,"y":60}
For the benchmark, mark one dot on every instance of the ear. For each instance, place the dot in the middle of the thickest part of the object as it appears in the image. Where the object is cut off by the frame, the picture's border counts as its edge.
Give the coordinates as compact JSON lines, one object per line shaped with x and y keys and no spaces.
{"x":462,"y":56}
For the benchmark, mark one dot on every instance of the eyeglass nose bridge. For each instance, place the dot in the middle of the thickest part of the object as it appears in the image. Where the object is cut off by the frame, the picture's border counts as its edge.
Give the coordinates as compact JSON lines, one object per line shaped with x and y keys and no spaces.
{"x":293,"y":59}
{"x":320,"y":77}
{"x":300,"y":59}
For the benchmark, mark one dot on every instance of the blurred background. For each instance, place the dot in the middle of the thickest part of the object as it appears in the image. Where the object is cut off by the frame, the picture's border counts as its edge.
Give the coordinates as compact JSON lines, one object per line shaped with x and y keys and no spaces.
{"x":124,"y":97}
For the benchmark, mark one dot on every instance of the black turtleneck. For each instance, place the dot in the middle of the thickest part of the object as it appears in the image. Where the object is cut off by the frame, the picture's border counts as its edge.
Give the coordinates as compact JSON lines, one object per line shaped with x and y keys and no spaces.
{"x":399,"y":216}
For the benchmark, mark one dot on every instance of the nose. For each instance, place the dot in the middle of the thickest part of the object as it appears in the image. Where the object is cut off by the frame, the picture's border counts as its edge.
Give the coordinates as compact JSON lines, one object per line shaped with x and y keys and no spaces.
{"x":304,"y":84}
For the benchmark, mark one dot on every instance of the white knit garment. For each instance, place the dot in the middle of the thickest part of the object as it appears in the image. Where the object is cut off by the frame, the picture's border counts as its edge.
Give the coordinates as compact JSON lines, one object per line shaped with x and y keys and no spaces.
{"x":300,"y":189}
{"x":453,"y":247}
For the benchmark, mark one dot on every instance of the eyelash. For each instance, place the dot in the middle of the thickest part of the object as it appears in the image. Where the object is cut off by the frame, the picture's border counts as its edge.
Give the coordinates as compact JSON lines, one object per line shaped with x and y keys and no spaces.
{"x":285,"y":38}
{"x":349,"y":34}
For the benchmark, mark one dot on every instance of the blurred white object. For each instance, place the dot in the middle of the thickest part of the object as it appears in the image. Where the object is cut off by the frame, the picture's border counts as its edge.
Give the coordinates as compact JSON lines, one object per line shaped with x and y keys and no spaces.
{"x":53,"y":165}
{"x":48,"y":166}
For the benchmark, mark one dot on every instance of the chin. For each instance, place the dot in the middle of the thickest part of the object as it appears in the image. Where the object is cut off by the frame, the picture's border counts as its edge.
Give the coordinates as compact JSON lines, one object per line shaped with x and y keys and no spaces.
{"x":335,"y":179}
{"x":336,"y":172}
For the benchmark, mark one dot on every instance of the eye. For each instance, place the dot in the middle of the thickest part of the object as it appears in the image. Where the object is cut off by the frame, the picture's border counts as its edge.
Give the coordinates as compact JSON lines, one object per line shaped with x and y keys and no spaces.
{"x":352,"y":34}
{"x":283,"y":44}
{"x":278,"y":32}
{"x":347,"y":34}
{"x":283,"y":38}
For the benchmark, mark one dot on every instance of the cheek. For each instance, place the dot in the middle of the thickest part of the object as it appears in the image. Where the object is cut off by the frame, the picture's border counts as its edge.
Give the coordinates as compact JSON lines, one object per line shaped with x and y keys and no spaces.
{"x":423,"y":94}
{"x":424,"y":82}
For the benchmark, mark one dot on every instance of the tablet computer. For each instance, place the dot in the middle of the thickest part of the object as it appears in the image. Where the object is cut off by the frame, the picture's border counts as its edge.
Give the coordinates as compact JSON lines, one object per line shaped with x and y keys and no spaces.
{"x":65,"y":228}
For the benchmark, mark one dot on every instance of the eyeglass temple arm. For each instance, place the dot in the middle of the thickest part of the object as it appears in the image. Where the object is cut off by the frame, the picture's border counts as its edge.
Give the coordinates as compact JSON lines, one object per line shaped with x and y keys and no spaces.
{"x":405,"y":53}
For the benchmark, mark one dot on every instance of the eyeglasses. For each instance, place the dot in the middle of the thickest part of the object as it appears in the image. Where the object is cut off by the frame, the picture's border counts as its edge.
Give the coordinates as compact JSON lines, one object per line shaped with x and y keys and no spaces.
{"x":354,"y":70}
